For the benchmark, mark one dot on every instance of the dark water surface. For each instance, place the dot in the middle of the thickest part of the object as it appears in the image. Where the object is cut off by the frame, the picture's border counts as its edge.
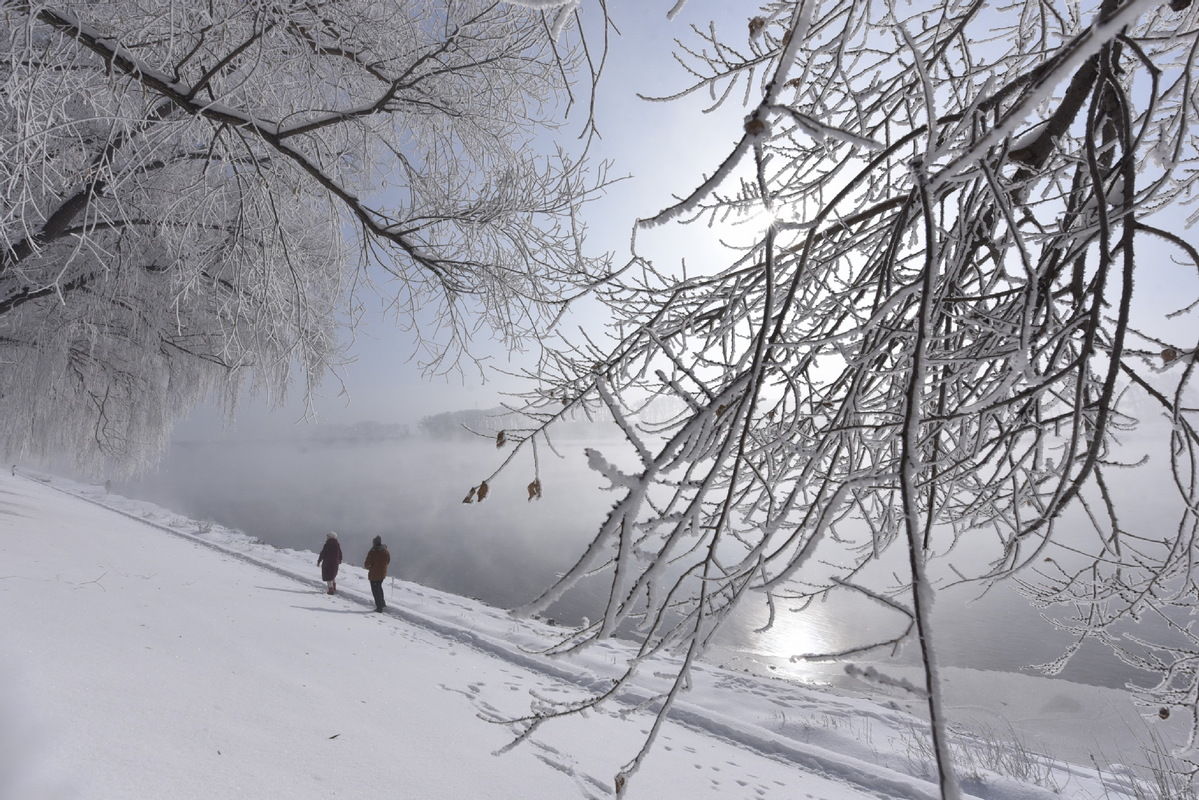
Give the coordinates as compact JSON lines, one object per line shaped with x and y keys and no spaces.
{"x":505,"y":550}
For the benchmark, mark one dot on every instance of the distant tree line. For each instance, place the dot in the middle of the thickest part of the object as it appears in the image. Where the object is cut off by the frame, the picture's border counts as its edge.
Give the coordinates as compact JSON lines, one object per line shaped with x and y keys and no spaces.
{"x":467,"y":423}
{"x":576,"y":423}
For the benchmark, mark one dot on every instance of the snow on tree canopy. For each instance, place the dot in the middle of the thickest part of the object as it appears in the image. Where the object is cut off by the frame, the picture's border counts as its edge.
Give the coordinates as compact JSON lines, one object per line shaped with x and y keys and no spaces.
{"x":187,"y":189}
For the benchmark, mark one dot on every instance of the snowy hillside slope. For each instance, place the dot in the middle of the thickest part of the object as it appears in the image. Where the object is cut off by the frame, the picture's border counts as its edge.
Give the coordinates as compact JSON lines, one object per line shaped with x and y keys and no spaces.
{"x":147,"y":655}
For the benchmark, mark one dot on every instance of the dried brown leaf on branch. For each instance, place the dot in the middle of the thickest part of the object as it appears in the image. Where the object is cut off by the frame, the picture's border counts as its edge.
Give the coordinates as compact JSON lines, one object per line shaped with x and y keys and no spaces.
{"x":755,"y":126}
{"x":500,"y":439}
{"x":535,"y":489}
{"x":482,"y":491}
{"x":756,"y":26}
{"x":1169,"y":355}
{"x":470,"y":496}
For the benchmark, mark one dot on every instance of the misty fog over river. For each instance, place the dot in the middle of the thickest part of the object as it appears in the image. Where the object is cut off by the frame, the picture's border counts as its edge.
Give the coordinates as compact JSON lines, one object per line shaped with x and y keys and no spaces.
{"x":505,"y":550}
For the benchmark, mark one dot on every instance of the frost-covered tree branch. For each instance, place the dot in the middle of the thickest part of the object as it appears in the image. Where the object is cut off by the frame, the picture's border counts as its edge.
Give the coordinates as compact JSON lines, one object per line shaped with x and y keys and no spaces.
{"x":191,"y":191}
{"x":935,"y":340}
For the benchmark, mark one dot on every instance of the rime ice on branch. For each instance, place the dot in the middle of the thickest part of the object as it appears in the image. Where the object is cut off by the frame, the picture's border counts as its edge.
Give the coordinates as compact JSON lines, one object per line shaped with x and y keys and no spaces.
{"x":933,"y":342}
{"x":191,"y":190}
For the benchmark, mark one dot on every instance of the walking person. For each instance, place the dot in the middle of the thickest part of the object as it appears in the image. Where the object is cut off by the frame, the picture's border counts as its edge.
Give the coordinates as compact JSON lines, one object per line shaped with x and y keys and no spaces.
{"x":329,"y":560}
{"x":377,"y":559}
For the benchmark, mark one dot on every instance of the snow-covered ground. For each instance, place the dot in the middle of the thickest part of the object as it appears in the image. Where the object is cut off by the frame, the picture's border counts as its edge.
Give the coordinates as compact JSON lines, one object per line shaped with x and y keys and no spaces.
{"x":146,"y":656}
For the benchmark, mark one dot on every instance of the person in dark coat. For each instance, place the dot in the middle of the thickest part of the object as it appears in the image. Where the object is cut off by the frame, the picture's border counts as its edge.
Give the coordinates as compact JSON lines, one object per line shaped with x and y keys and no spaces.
{"x":377,"y":559}
{"x":329,"y":560}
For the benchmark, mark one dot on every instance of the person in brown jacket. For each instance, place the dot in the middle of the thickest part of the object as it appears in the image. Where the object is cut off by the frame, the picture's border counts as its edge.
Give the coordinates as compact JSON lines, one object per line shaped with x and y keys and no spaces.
{"x":377,"y":559}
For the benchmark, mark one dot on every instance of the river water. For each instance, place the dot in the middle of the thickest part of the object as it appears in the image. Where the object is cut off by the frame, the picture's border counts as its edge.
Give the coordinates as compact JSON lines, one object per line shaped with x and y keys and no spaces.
{"x":503,"y":551}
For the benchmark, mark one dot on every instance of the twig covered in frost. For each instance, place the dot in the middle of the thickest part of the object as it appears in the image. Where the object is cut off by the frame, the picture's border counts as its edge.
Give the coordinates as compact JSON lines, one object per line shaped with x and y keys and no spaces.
{"x":914,"y":357}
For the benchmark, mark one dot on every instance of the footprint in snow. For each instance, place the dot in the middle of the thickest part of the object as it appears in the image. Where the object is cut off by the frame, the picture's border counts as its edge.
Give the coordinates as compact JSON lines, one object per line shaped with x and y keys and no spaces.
{"x":590,"y":787}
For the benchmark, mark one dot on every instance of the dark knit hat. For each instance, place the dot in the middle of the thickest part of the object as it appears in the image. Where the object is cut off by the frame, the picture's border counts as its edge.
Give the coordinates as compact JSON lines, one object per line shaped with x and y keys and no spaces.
{"x":378,"y":541}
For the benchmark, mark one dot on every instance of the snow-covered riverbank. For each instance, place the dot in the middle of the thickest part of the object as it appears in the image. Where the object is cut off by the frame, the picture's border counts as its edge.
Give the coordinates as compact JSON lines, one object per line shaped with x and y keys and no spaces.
{"x":148,"y":657}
